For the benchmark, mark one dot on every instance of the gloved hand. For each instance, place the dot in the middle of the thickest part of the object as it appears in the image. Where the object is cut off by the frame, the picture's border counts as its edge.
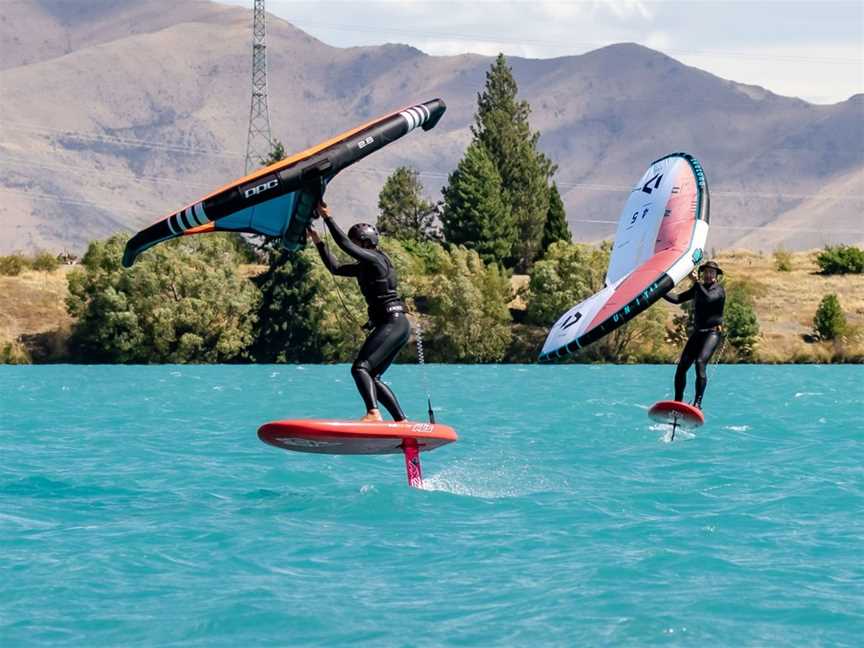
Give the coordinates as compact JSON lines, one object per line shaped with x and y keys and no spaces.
{"x":321,"y":210}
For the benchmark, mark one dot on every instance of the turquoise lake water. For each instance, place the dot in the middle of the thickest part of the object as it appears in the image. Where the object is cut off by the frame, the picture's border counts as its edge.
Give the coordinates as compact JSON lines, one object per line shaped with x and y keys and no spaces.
{"x":138,"y":508}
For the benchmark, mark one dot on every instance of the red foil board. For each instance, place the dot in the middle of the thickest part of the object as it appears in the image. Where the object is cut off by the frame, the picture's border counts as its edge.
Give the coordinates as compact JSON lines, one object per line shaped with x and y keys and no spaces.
{"x":354,"y":437}
{"x":668,"y":411}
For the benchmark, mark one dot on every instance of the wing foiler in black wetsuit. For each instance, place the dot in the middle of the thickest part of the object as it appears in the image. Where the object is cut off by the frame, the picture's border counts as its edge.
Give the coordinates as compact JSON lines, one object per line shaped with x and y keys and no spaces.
{"x":390,"y":328}
{"x":707,"y":321}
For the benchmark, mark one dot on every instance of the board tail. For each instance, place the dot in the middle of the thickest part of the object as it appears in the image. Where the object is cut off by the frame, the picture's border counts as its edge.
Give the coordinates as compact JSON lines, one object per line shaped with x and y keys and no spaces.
{"x":412,"y":463}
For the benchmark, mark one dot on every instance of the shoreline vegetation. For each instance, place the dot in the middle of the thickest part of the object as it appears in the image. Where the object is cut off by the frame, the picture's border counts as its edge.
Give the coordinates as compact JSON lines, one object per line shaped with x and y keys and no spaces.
{"x":484,"y":273}
{"x":37,"y":326}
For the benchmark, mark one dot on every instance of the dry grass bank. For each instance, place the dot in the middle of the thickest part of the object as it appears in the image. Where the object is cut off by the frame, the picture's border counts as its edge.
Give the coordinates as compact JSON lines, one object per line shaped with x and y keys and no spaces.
{"x":33,"y":317}
{"x":788,"y":301}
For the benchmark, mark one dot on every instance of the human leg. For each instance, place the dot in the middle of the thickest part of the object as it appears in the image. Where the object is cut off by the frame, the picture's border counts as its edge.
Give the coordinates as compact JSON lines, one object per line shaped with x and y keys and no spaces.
{"x":709,"y":345}
{"x":362,"y":372}
{"x":378,"y":351}
{"x":385,"y":394}
{"x":397,"y":337}
{"x":688,"y":357}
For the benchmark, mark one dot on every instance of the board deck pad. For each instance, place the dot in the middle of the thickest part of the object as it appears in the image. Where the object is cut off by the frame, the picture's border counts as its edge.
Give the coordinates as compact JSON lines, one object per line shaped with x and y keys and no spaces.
{"x":354,"y":437}
{"x":677,"y":413}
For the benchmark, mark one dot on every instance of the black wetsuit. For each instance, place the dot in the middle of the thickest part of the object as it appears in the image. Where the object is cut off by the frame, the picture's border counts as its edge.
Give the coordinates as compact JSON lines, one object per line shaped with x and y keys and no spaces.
{"x":707,"y":323}
{"x":390,"y":328}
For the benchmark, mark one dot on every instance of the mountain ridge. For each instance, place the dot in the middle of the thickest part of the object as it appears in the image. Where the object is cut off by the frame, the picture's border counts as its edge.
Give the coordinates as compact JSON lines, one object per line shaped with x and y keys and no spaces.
{"x":148,"y":121}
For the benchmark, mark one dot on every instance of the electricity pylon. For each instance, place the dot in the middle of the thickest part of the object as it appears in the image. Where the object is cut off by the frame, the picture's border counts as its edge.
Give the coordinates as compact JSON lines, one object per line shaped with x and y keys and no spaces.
{"x":259,"y":141}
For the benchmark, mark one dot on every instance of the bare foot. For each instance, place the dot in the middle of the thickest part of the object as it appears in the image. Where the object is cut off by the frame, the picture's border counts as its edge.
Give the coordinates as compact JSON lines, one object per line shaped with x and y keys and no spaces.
{"x":372,"y":416}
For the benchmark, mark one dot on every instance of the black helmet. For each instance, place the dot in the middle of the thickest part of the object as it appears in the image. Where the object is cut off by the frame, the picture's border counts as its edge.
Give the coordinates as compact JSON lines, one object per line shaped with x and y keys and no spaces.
{"x":711,"y":264}
{"x":363,"y":233}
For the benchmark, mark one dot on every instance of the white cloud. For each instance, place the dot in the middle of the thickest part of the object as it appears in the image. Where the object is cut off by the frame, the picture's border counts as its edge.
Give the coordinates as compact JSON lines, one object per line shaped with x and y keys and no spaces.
{"x":626,"y":8}
{"x":820,"y":75}
{"x":659,"y":40}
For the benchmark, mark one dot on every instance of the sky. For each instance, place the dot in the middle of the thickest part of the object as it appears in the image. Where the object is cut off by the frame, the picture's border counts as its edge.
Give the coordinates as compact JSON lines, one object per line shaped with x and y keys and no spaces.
{"x":809,"y":49}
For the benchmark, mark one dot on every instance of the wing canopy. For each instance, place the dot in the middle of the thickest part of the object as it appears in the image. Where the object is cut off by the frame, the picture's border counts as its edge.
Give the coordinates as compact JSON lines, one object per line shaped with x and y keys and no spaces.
{"x":278,"y":200}
{"x":660,"y":239}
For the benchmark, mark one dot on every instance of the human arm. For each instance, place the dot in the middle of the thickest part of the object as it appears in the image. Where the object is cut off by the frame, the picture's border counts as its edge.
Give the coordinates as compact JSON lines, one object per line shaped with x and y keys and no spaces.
{"x":680,"y":298}
{"x":341,"y":239}
{"x":688,"y":294}
{"x":330,"y":262}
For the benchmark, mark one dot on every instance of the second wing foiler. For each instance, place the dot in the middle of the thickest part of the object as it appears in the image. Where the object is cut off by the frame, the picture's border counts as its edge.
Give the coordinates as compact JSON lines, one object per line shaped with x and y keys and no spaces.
{"x":660,"y":239}
{"x":278,"y":200}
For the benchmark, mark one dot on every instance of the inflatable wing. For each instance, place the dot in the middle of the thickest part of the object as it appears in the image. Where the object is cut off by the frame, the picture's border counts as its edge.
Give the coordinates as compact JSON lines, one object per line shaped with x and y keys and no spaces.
{"x":278,"y":200}
{"x":660,"y":239}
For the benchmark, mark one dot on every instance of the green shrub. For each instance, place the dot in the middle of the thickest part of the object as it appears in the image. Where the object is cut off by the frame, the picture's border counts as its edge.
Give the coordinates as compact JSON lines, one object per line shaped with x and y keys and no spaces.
{"x":12,"y":265}
{"x":744,"y":290}
{"x":569,"y":273}
{"x":841,"y":259}
{"x":742,"y":326}
{"x":829,"y":322}
{"x":782,"y":260}
{"x":45,"y":262}
{"x":305,"y":314}
{"x":184,"y":301}
{"x":468,"y":299}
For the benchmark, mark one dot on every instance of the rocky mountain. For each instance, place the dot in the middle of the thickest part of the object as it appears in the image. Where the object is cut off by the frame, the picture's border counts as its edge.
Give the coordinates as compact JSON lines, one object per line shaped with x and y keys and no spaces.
{"x":118,"y":111}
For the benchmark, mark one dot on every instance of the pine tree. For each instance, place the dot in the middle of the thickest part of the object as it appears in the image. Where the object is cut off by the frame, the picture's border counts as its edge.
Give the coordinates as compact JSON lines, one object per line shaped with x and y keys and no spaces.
{"x":556,"y":227}
{"x":830,"y":321}
{"x":288,"y":322}
{"x":404,"y":213}
{"x":501,"y":127}
{"x":474,"y":213}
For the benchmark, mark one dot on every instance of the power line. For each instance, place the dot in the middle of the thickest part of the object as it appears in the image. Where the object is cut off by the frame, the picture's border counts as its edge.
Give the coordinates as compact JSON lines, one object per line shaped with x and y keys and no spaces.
{"x":611,"y":188}
{"x":745,"y":196}
{"x":744,"y":227}
{"x":218,"y":152}
{"x":494,"y":38}
{"x":101,"y":172}
{"x":431,"y":174}
{"x":71,"y":201}
{"x":379,"y":172}
{"x":121,"y":141}
{"x":112,"y":208}
{"x":15,"y":126}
